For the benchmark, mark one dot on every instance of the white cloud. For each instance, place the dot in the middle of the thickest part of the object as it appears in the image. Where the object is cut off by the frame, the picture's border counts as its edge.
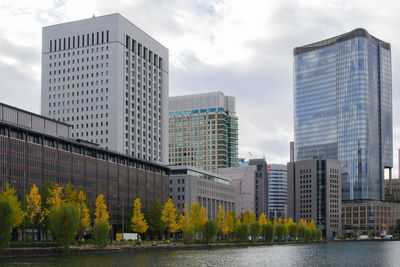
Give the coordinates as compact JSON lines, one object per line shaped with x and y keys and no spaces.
{"x":243,"y":48}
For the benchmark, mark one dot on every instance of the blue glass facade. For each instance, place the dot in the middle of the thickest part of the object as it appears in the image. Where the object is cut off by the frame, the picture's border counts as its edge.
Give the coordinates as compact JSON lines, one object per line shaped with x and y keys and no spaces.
{"x":343,"y":109}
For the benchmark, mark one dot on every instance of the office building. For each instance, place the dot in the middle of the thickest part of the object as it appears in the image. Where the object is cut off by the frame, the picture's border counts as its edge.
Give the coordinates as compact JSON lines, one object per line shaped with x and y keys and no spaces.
{"x":343,"y":109}
{"x":109,"y":80}
{"x":252,"y":181}
{"x":189,"y":184}
{"x":203,"y":131}
{"x":277,"y":190}
{"x":34,"y":149}
{"x":314,"y":193}
{"x":369,"y":217}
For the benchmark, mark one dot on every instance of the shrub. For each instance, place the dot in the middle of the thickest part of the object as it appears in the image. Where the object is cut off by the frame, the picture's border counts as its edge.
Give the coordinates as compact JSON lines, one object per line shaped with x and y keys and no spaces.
{"x":242,"y":232}
{"x":64,"y":224}
{"x":210,"y":231}
{"x":100,"y":233}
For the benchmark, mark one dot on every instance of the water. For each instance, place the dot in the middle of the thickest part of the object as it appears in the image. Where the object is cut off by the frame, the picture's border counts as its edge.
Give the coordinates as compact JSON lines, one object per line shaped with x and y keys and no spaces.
{"x":378,"y":253}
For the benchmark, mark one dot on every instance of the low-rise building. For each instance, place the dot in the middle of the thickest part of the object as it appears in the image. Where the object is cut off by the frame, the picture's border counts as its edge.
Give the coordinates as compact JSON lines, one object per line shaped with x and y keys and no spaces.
{"x":394,"y":187}
{"x":188,"y":184}
{"x":369,"y":217}
{"x":314,"y":193}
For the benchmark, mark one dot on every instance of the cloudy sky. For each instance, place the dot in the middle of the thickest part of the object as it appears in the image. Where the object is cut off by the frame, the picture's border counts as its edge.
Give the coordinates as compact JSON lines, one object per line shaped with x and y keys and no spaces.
{"x":243,"y":48}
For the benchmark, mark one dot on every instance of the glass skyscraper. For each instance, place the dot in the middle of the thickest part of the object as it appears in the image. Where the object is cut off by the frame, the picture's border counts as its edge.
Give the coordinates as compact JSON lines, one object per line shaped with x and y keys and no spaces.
{"x":343,"y":109}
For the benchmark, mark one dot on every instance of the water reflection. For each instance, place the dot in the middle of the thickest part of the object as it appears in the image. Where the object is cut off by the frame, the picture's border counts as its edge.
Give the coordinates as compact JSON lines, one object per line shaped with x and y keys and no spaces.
{"x":377,"y":253}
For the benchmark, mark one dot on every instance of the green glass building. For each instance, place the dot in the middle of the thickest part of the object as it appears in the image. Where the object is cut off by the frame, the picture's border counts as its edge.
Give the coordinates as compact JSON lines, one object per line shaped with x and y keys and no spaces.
{"x":203,"y":131}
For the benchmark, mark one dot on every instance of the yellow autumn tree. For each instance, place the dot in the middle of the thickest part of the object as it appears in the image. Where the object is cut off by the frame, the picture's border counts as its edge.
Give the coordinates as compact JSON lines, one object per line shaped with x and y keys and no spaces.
{"x":138,"y":223}
{"x":169,"y":216}
{"x":220,"y":220}
{"x":34,"y":208}
{"x":101,"y":214}
{"x":252,"y":218}
{"x":184,"y":219}
{"x":84,"y":215}
{"x":263,"y":219}
{"x":56,"y":197}
{"x":229,"y":223}
{"x":204,"y":219}
{"x":17,"y":214}
{"x":70,"y":195}
{"x":195,"y":217}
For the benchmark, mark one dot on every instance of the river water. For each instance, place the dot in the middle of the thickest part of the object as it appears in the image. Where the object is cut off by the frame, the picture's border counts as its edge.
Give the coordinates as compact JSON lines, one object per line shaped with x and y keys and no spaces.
{"x":368,"y":253}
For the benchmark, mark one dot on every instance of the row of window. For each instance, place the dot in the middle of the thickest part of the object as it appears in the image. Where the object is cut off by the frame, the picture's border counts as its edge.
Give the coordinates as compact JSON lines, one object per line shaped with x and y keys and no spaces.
{"x":78,"y":41}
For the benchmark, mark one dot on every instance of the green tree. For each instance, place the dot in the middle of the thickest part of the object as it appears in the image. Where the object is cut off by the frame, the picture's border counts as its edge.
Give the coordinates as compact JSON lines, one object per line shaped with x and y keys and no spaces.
{"x":210,"y":231}
{"x":157,"y":223}
{"x":100,"y":233}
{"x":307,"y":235}
{"x":292,"y":230}
{"x":5,"y":223}
{"x":17,"y":214}
{"x":64,"y":224}
{"x":138,"y":223}
{"x":242,"y":232}
{"x":267,"y":231}
{"x":280,"y":232}
{"x":255,"y":230}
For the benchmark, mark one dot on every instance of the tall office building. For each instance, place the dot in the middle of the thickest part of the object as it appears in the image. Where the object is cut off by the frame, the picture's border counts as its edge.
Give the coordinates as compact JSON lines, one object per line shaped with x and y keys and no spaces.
{"x":203,"y":131}
{"x":314,"y":193}
{"x":343,"y":109}
{"x":277,"y":190}
{"x":109,"y":80}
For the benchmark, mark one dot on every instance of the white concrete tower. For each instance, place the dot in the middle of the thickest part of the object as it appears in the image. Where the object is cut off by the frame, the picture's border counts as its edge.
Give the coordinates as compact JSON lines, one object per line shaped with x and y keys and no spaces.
{"x":109,"y":80}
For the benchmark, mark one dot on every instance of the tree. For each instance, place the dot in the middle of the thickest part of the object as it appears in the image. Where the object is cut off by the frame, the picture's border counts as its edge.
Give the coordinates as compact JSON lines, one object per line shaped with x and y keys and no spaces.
{"x":5,"y":223}
{"x":220,"y":220}
{"x":64,"y":224}
{"x":210,"y":231}
{"x":138,"y":223}
{"x":101,"y":225}
{"x":157,"y":223}
{"x":307,"y":235}
{"x":34,"y":208}
{"x":17,"y":214}
{"x":280,"y":232}
{"x":255,"y":230}
{"x":70,"y":194}
{"x":252,"y":218}
{"x":230,"y":222}
{"x":313,"y":230}
{"x":195,"y":217}
{"x":263,"y":219}
{"x":169,"y":216}
{"x":101,"y":214}
{"x":242,"y":232}
{"x":292,"y":229}
{"x":100,"y":233}
{"x":83,"y":209}
{"x":268,"y":232}
{"x":187,"y":226}
{"x":56,"y":197}
{"x":319,"y":234}
{"x":302,"y":228}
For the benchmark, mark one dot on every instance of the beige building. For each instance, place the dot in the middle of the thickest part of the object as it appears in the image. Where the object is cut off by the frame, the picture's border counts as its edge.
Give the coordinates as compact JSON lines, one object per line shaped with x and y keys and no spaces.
{"x":203,"y":131}
{"x":395,"y":194}
{"x":369,"y":217}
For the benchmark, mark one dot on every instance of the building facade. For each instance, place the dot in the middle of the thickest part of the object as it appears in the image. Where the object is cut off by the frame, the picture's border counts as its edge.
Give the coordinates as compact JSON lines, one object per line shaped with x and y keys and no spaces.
{"x":203,"y":131}
{"x":277,"y":191}
{"x":369,"y":217}
{"x":343,"y":109}
{"x":291,"y":151}
{"x":252,"y":181}
{"x":314,"y":193}
{"x":109,"y":80}
{"x":392,"y":189}
{"x":189,"y":184}
{"x":34,"y":149}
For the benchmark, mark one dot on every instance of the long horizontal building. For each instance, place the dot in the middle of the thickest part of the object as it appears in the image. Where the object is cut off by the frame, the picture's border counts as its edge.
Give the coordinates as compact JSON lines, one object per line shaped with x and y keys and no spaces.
{"x":34,"y":149}
{"x":190,"y":184}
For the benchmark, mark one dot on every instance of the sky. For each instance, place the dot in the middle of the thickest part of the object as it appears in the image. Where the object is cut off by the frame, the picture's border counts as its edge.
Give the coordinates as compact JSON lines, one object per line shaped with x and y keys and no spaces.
{"x":242,"y":48}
